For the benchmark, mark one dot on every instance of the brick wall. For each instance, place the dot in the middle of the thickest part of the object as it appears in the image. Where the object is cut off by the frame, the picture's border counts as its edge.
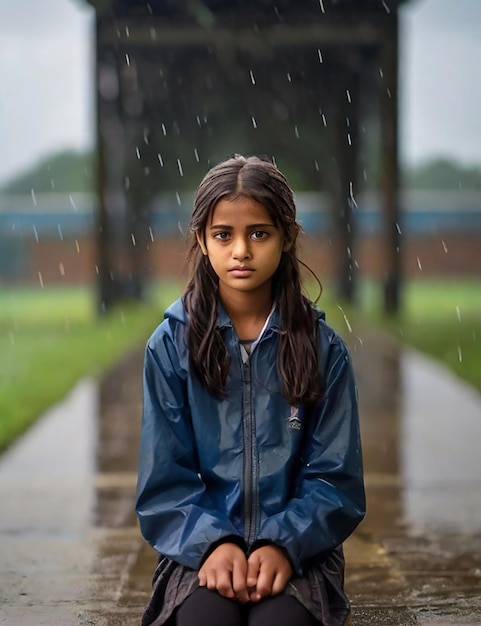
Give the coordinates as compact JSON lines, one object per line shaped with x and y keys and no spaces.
{"x":453,"y":255}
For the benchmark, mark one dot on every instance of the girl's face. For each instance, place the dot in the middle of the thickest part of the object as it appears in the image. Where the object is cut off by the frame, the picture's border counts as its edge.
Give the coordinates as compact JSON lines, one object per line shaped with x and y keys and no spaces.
{"x":243,"y":245}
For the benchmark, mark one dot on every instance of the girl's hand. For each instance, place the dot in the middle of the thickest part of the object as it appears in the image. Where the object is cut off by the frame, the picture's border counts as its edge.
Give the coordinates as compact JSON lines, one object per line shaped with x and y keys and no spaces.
{"x":225,"y":571}
{"x":268,"y":572}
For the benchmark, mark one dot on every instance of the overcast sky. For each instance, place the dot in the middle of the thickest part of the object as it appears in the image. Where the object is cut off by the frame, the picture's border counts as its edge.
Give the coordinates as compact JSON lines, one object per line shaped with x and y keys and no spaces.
{"x":47,"y":102}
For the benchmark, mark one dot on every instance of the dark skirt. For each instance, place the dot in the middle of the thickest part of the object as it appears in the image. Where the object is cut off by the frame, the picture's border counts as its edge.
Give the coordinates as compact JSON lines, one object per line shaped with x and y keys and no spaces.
{"x":321,"y":591}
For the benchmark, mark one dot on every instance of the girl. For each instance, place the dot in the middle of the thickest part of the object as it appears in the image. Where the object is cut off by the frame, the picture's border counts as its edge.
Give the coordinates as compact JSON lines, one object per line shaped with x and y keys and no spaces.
{"x":250,"y":472}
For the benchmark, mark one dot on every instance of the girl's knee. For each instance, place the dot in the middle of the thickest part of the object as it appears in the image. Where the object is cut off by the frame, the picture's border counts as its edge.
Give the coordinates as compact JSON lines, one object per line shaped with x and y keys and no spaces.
{"x":281,"y":610}
{"x":208,"y":608}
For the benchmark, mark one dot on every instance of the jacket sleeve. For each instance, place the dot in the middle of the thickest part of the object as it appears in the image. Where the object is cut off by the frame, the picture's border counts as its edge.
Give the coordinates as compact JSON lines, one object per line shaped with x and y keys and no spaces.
{"x":175,"y":513}
{"x":329,"y":500}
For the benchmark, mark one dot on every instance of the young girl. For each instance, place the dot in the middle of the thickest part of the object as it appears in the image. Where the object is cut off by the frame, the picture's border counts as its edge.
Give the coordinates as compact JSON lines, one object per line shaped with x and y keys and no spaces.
{"x":250,"y":472}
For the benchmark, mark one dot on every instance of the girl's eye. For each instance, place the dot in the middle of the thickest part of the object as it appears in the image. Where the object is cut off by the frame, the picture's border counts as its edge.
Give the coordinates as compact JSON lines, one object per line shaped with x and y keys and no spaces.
{"x":222,"y":236}
{"x":259,"y":234}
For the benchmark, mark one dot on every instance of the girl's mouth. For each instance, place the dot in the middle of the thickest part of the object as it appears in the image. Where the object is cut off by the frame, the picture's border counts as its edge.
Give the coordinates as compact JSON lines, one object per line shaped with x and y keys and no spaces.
{"x":241,"y":272}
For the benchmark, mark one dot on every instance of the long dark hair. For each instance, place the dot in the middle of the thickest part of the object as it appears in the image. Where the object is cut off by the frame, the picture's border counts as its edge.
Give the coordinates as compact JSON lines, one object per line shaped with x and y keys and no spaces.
{"x":262,"y":181}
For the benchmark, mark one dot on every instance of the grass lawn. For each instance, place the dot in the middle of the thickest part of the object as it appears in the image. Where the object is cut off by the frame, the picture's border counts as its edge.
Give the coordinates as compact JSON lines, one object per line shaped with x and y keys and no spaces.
{"x":441,"y":318}
{"x":49,"y":338}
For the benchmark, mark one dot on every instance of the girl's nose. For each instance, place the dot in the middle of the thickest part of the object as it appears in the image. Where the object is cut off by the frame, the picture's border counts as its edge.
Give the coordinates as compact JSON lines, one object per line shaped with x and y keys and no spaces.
{"x":240,"y":250}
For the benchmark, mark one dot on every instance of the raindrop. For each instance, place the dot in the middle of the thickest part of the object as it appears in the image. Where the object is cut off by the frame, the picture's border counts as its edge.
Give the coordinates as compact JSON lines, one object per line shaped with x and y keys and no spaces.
{"x":160,"y":160}
{"x":316,"y":165}
{"x":151,"y":233}
{"x":146,"y":136}
{"x":351,"y":194}
{"x":179,"y":201}
{"x":196,"y":154}
{"x":60,"y":233}
{"x":35,"y":233}
{"x":77,"y":247}
{"x":127,"y":59}
{"x":97,"y":270}
{"x":388,"y":91}
{"x":445,"y":247}
{"x":296,"y":131}
{"x":132,"y":237}
{"x":348,"y":94}
{"x":164,"y":130}
{"x":149,"y":8}
{"x":289,"y":77}
{"x":72,"y":202}
{"x":34,"y":198}
{"x":199,"y":123}
{"x":324,"y":120}
{"x":364,"y":174}
{"x":398,"y":228}
{"x":381,"y":73}
{"x":40,"y":279}
{"x":146,"y":171}
{"x":153,"y":34}
{"x":349,"y":140}
{"x":349,"y":327}
{"x":127,"y":31}
{"x":61,"y":269}
{"x":387,"y":9}
{"x":253,"y":80}
{"x":319,"y":54}
{"x":179,"y":165}
{"x":321,"y":3}
{"x":460,"y":354}
{"x":458,"y":313}
{"x":254,"y":123}
{"x":137,"y":152}
{"x":418,"y":260}
{"x":52,"y":183}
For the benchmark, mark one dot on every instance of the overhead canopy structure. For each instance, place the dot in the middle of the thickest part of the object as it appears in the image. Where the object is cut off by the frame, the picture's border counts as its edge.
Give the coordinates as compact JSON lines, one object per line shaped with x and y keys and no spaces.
{"x":181,"y":85}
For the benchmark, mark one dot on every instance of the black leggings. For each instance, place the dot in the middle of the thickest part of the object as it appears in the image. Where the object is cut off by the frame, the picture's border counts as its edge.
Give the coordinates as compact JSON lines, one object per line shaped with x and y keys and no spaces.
{"x":207,"y":608}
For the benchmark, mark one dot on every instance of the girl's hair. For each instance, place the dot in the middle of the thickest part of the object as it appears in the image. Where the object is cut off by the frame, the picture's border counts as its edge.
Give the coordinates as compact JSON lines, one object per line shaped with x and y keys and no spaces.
{"x":259,"y":180}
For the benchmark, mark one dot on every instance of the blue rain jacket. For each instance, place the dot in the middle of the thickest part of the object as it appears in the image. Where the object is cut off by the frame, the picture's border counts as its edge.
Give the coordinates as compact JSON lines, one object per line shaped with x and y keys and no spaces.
{"x":249,"y":465}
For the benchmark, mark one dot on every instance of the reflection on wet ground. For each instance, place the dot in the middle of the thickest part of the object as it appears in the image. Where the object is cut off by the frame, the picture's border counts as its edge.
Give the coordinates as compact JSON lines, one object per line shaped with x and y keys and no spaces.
{"x":70,"y":548}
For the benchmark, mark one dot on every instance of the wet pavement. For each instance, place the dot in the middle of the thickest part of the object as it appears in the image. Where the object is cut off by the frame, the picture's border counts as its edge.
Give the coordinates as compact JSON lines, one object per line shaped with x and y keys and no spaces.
{"x":70,"y":550}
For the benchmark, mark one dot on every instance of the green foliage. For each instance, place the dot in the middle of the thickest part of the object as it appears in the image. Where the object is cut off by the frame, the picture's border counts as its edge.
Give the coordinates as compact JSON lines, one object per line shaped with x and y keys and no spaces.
{"x":62,"y":171}
{"x":443,"y":174}
{"x":51,"y":338}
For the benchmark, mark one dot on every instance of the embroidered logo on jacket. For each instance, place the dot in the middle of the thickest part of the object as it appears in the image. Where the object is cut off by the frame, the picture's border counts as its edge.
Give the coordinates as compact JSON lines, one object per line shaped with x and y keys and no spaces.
{"x":294,"y":421}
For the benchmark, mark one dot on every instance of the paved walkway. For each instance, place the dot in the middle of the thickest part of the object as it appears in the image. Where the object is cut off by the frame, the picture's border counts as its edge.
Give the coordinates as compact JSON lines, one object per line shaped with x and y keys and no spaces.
{"x":70,"y":551}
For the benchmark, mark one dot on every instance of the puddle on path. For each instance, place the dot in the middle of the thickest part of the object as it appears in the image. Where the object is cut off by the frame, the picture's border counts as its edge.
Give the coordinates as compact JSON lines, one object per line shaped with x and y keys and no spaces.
{"x":67,"y":487}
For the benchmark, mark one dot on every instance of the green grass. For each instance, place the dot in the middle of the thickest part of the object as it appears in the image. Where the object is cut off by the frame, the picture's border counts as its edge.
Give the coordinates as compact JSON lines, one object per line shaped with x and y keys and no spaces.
{"x":49,"y":338}
{"x":441,"y":318}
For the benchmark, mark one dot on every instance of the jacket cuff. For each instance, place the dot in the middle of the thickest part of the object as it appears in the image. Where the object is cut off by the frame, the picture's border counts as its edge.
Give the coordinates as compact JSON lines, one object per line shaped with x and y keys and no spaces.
{"x":239,"y":541}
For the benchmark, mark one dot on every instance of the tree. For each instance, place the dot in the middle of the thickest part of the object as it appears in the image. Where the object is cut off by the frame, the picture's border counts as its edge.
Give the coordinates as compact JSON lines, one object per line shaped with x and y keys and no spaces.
{"x":65,"y":171}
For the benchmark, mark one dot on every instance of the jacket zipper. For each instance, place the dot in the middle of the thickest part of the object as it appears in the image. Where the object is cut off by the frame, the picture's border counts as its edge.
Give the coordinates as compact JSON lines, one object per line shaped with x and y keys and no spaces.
{"x":251,"y":494}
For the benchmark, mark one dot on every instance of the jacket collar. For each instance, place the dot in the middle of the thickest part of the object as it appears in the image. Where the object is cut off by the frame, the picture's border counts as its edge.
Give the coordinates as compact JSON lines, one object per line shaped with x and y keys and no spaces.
{"x":224,"y":321}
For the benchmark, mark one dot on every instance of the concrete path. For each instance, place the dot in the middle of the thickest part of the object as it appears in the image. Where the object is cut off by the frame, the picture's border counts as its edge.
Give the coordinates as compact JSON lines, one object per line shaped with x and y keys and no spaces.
{"x":71,"y":554}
